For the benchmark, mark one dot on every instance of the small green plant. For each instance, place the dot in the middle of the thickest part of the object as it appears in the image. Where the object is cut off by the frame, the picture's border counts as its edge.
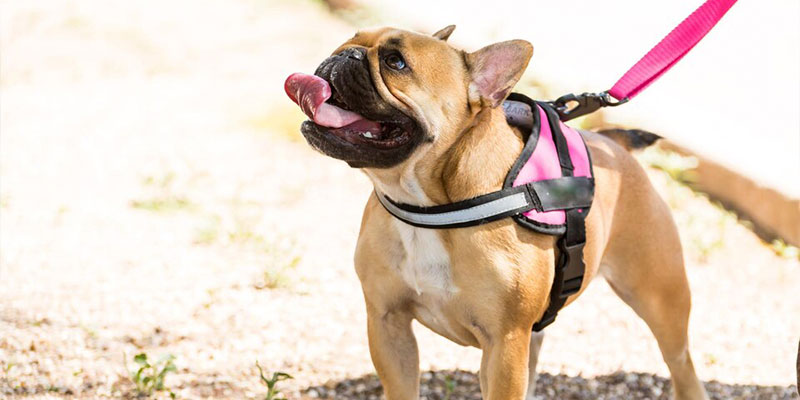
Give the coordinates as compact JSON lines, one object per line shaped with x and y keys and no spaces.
{"x":245,"y":236}
{"x":281,"y":257}
{"x":8,"y":367}
{"x":163,"y":181}
{"x":710,"y":359}
{"x":272,"y":383}
{"x":449,"y":387}
{"x":164,"y":199}
{"x":89,"y":331}
{"x":162,"y":204}
{"x":149,"y":378}
{"x":276,"y":275}
{"x":208,"y":233}
{"x":278,"y":253}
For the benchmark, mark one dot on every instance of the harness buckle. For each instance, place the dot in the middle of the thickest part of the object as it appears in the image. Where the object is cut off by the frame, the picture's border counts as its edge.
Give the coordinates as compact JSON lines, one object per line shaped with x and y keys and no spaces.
{"x":567,"y":280}
{"x":572,"y":268}
{"x":587,"y":103}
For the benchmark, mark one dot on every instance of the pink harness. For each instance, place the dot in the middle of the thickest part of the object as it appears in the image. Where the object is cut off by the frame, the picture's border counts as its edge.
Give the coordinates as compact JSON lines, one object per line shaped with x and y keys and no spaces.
{"x":550,"y":187}
{"x":540,"y":160}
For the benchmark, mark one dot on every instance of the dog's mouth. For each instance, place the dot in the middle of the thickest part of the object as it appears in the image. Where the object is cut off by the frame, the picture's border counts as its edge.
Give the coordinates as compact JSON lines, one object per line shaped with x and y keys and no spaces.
{"x":326,"y":109}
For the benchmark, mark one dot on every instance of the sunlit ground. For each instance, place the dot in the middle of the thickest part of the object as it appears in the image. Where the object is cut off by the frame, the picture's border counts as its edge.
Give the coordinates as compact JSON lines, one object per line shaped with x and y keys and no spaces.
{"x":156,"y":198}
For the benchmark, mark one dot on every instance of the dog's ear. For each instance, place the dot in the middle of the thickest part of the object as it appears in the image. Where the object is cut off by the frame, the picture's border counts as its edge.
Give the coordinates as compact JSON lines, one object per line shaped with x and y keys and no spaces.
{"x":444,"y":33}
{"x":495,"y":69}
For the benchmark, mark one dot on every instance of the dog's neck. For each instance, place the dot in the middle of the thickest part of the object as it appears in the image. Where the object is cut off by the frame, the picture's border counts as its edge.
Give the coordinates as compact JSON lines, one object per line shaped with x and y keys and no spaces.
{"x":475,"y":163}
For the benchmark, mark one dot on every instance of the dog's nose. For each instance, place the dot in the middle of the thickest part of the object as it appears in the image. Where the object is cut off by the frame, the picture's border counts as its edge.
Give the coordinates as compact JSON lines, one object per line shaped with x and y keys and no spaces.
{"x":358,"y":53}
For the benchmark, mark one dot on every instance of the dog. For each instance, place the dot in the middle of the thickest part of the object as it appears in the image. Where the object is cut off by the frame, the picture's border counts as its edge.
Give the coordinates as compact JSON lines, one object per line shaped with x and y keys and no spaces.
{"x":423,"y":121}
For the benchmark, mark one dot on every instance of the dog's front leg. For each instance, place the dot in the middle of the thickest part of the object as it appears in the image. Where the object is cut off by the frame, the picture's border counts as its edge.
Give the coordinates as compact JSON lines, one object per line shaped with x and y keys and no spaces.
{"x":393,"y":348}
{"x":504,"y":366}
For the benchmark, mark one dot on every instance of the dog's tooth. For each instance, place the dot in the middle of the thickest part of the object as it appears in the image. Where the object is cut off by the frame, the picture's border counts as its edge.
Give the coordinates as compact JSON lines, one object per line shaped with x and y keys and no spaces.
{"x":367,"y":135}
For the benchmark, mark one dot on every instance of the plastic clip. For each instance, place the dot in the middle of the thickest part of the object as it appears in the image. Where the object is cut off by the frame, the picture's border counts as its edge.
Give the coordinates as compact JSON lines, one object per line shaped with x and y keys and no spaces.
{"x":587,"y":103}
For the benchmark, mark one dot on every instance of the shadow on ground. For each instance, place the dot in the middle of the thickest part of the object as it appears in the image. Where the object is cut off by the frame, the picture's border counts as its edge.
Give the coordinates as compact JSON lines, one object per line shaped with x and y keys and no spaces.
{"x":463,"y":385}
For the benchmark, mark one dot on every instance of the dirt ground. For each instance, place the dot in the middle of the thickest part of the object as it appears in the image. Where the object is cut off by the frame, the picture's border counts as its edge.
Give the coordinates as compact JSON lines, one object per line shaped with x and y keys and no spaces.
{"x":156,"y":198}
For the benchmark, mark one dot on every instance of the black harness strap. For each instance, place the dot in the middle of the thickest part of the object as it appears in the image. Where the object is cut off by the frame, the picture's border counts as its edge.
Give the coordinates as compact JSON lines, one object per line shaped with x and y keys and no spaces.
{"x":570,"y":193}
{"x":547,"y":195}
{"x":559,"y":139}
{"x":570,"y":267}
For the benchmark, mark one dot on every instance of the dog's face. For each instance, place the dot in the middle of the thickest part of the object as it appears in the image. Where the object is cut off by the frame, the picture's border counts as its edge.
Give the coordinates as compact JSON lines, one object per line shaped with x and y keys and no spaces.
{"x":387,"y":94}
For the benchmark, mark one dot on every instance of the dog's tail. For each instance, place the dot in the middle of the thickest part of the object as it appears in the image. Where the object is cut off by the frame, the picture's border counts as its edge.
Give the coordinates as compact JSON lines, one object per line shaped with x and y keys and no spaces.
{"x":631,"y":139}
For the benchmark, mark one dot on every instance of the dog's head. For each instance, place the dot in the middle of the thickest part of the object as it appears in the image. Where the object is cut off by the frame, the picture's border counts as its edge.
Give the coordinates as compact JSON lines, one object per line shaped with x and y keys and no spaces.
{"x":387,"y":94}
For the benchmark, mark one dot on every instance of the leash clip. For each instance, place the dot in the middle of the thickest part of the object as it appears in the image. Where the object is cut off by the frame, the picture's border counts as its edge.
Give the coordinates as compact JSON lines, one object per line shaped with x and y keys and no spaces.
{"x":587,"y":103}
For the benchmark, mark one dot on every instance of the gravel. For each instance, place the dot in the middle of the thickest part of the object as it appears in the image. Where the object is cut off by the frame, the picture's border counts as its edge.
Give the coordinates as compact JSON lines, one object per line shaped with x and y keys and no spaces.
{"x":464,"y":385}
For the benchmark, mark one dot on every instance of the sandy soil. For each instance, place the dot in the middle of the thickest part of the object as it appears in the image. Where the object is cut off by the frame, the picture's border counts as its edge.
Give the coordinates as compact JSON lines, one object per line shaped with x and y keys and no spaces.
{"x":152,"y":184}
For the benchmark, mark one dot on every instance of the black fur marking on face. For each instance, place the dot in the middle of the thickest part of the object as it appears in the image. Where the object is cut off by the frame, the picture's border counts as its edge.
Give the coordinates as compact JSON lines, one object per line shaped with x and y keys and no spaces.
{"x":353,"y":89}
{"x":327,"y":142}
{"x":395,"y":43}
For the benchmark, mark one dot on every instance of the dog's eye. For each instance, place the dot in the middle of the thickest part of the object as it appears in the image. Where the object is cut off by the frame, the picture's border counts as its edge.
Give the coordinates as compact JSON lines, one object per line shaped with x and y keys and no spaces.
{"x":394,"y":61}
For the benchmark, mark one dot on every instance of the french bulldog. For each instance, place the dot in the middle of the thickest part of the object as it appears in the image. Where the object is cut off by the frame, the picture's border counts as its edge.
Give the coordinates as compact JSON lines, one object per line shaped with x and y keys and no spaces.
{"x":423,"y":120}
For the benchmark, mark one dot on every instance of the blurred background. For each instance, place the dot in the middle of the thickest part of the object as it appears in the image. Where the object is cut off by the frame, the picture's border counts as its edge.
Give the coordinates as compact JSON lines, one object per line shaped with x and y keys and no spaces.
{"x":164,"y":227}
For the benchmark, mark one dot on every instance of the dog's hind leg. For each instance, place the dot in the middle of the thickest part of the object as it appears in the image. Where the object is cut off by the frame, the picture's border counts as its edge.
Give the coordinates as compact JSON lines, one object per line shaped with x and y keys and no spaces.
{"x":533,"y":359}
{"x":643,"y":263}
{"x":665,"y":309}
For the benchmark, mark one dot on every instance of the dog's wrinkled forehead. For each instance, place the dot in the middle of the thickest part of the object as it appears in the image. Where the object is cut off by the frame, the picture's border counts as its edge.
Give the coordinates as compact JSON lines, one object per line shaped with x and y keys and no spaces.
{"x":433,"y":73}
{"x":412,"y":45}
{"x":370,"y":38}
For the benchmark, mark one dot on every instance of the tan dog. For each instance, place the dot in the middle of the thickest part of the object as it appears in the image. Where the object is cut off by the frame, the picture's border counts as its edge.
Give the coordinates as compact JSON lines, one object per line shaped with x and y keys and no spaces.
{"x":421,"y":119}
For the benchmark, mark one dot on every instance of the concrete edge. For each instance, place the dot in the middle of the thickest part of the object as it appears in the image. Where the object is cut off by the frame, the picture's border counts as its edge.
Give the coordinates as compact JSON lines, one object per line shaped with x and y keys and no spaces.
{"x":773,"y":214}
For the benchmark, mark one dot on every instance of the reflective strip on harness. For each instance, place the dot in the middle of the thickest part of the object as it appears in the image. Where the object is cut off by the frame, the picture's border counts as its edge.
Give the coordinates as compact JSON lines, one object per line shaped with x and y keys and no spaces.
{"x":514,"y":202}
{"x":549,"y":189}
{"x":547,"y":195}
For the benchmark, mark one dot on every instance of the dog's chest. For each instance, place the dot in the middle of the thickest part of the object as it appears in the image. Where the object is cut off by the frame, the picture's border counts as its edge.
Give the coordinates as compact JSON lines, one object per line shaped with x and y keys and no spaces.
{"x":425,"y":265}
{"x":425,"y":268}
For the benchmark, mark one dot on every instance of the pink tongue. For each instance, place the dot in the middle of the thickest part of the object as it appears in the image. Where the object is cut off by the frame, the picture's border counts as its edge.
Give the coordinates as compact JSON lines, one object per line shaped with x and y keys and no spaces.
{"x":310,"y":92}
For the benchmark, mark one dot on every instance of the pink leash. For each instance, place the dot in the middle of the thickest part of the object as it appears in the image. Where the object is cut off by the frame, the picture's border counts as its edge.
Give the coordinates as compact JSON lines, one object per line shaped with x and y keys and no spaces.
{"x":671,"y":49}
{"x":654,"y":64}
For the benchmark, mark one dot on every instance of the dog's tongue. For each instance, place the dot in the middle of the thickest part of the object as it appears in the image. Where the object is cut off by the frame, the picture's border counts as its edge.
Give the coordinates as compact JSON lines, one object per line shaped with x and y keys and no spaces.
{"x":310,"y":92}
